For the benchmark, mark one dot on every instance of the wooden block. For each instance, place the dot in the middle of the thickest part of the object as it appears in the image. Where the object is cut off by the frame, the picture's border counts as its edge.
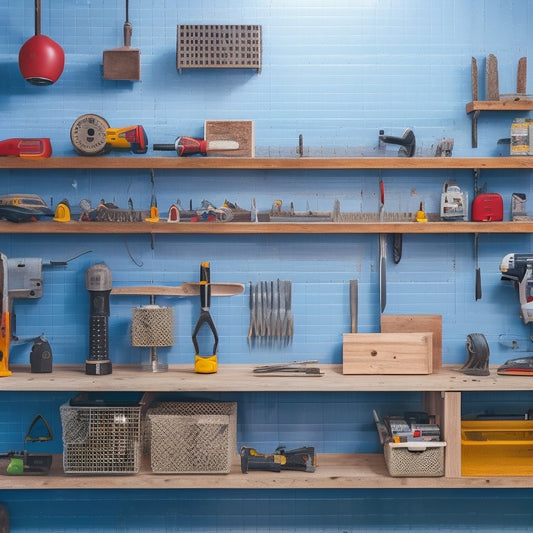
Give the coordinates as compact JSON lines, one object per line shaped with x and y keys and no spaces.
{"x":414,"y":324}
{"x":240,"y":131}
{"x":122,"y":64}
{"x":387,"y":353}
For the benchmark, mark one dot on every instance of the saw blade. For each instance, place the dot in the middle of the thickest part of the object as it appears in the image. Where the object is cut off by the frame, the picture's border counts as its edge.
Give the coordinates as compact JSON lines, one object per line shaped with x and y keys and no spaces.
{"x":88,"y":135}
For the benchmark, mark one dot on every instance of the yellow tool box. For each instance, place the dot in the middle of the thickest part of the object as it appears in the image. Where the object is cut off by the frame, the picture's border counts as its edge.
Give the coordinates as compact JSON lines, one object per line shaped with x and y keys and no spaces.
{"x":497,"y":447}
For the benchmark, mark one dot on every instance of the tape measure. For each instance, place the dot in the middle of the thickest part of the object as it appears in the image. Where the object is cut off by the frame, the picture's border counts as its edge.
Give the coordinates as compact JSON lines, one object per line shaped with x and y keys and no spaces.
{"x":88,"y":135}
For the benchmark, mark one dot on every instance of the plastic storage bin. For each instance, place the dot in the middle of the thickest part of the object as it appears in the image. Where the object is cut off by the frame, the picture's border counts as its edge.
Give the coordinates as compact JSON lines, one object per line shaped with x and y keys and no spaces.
{"x":497,"y":447}
{"x":414,"y":459}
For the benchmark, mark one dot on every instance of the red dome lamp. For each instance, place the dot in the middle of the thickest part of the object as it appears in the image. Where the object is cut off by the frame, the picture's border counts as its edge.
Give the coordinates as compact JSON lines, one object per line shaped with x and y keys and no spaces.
{"x":41,"y":59}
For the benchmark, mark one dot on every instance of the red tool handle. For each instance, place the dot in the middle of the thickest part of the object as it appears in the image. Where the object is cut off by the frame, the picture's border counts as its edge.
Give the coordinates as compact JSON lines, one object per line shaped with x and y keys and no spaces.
{"x":21,"y":147}
{"x":190,"y":146}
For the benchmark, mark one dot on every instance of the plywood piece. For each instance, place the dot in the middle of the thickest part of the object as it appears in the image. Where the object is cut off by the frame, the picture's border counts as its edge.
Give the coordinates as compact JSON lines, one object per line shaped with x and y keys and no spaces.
{"x":240,"y":131}
{"x":387,"y":353}
{"x":417,"y":323}
{"x":122,"y":64}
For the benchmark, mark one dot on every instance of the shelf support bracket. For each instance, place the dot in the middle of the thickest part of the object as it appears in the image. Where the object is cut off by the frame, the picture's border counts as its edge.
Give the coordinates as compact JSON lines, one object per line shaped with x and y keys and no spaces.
{"x":475,"y":116}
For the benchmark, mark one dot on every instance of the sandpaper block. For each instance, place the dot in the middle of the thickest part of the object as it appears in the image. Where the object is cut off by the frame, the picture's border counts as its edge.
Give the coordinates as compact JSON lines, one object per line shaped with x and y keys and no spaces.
{"x":237,"y":136}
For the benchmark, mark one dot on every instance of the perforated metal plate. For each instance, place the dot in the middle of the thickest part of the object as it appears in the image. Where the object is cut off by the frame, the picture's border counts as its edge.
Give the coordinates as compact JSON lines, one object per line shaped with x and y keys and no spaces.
{"x":218,"y":46}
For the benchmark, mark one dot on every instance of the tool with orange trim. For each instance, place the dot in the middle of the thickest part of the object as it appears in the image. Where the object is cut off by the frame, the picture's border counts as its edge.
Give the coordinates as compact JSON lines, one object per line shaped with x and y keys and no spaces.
{"x":26,"y":148}
{"x":205,"y":364}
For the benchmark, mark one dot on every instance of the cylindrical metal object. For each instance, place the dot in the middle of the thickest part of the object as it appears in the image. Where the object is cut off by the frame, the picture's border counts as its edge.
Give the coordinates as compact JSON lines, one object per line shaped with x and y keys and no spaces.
{"x":99,"y":284}
{"x":153,"y":326}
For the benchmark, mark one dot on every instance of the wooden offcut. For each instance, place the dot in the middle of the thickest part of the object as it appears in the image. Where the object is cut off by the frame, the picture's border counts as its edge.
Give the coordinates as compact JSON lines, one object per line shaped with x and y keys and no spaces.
{"x":240,"y":131}
{"x":387,"y":353}
{"x":417,"y":324}
{"x":122,"y":63}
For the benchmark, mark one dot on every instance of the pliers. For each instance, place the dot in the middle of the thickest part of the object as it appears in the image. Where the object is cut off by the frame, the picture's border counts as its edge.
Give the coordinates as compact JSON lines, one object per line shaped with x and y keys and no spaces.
{"x":205,"y":364}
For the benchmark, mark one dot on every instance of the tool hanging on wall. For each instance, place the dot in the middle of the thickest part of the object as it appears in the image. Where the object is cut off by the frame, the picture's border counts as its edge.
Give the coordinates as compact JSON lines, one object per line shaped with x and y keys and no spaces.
{"x":41,"y":60}
{"x":205,"y":364}
{"x":91,"y":135}
{"x":382,"y":244}
{"x":271,"y":316}
{"x":123,"y":63}
{"x":21,"y":278}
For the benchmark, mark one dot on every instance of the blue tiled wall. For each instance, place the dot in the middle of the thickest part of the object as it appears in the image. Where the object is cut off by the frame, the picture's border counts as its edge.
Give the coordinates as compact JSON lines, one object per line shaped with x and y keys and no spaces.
{"x":337,"y":73}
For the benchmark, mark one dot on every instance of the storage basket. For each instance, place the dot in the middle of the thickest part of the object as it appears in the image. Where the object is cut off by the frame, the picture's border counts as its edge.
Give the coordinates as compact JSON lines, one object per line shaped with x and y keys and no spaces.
{"x":414,"y":459}
{"x":497,"y":447}
{"x":101,"y":440}
{"x":192,"y":437}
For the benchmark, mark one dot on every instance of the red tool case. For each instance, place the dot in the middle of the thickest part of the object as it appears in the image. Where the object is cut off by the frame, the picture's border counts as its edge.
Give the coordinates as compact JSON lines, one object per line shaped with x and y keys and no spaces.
{"x":487,"y":207}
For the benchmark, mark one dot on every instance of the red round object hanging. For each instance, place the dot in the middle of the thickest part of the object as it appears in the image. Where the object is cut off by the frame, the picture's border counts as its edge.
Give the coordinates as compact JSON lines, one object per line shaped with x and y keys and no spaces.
{"x":41,"y":59}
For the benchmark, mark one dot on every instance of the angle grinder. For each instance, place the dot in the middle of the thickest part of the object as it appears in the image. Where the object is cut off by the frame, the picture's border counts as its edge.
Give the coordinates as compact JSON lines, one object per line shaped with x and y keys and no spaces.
{"x":91,"y":135}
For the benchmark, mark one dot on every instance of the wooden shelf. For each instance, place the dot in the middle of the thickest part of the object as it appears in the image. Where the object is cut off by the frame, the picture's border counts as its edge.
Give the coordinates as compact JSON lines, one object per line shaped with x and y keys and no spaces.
{"x":334,"y":471}
{"x":243,"y":228}
{"x":304,"y":163}
{"x":239,"y":378}
{"x":499,"y":105}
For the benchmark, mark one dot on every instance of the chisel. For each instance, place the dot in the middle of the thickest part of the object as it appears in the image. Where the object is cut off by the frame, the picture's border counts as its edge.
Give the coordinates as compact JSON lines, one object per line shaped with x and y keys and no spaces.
{"x":382,"y":251}
{"x":354,"y":297}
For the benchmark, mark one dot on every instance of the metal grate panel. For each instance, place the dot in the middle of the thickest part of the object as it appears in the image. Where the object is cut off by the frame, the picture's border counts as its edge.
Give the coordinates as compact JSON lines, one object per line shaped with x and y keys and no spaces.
{"x":218,"y":46}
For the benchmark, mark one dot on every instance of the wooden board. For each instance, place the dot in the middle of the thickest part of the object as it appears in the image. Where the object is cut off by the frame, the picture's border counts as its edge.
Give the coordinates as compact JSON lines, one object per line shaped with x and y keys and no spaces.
{"x":240,"y":131}
{"x":185,"y":289}
{"x":414,"y":324}
{"x":387,"y":353}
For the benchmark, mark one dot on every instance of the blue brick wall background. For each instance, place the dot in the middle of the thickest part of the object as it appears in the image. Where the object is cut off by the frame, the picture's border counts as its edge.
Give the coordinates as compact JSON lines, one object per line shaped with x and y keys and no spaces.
{"x":337,"y":73}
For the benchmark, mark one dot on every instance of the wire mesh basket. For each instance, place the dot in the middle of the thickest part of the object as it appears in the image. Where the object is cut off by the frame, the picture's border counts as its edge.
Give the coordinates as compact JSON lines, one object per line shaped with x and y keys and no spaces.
{"x":101,"y":440}
{"x":218,"y":46}
{"x":192,"y":437}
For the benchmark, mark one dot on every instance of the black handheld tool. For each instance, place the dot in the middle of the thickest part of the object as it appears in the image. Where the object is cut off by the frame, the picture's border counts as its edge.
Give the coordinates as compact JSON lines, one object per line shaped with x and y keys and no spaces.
{"x":205,"y":364}
{"x":41,"y":356}
{"x":407,"y":142}
{"x":302,"y":459}
{"x":99,"y":284}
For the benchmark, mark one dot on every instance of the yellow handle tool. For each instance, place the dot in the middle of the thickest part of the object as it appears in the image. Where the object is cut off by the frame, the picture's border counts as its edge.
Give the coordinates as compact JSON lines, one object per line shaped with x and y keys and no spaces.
{"x":5,"y":339}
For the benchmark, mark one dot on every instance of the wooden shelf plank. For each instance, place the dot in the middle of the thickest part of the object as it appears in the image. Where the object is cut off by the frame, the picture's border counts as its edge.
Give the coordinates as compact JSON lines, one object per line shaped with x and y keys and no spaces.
{"x":243,"y":228}
{"x":239,"y":378}
{"x":304,"y":163}
{"x":499,"y":105}
{"x":334,"y":471}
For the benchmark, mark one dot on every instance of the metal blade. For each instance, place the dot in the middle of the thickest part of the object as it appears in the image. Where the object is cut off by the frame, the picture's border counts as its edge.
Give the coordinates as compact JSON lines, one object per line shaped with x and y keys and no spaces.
{"x":354,"y":297}
{"x":223,"y":145}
